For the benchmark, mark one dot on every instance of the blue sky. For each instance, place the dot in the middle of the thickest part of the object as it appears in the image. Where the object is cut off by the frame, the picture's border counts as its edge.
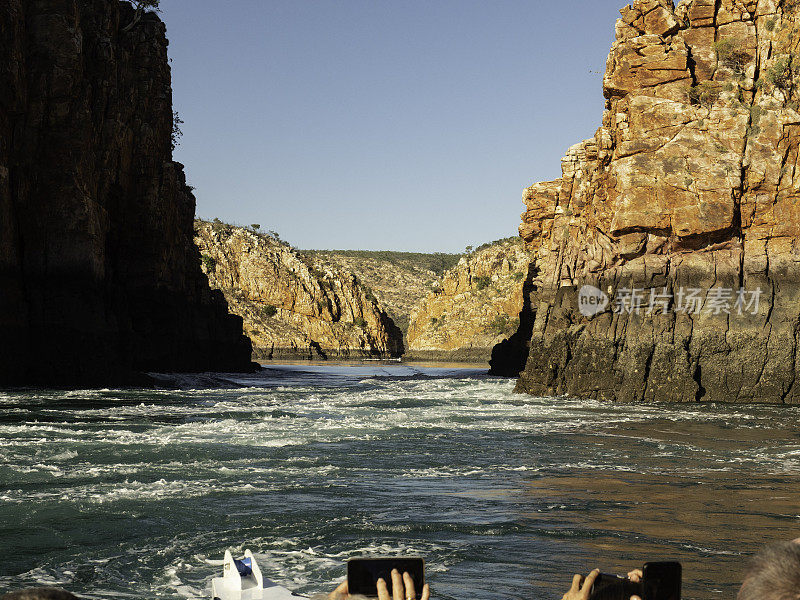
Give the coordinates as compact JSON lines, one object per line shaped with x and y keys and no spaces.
{"x":382,"y":124}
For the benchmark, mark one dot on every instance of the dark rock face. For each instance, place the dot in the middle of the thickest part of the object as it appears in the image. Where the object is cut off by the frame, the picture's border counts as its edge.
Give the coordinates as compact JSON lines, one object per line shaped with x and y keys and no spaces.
{"x":99,"y":277}
{"x":687,"y":199}
{"x":509,"y":356}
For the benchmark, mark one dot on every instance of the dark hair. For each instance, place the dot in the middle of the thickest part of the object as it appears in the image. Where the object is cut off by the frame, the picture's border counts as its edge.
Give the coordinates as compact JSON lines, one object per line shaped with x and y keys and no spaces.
{"x":774,"y":574}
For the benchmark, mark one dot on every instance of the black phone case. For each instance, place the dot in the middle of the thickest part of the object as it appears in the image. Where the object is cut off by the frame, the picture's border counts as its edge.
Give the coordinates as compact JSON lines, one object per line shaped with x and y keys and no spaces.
{"x":363,"y":573}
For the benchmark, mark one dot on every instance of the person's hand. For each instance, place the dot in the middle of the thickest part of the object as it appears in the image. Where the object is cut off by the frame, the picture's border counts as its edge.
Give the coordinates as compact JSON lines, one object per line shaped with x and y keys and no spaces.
{"x":636,"y":577}
{"x":340,"y":593}
{"x":402,"y":589}
{"x":581,"y":588}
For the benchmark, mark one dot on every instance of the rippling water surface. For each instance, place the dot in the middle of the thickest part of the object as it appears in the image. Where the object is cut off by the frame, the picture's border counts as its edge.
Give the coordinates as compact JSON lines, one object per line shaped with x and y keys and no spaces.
{"x":137,"y":493}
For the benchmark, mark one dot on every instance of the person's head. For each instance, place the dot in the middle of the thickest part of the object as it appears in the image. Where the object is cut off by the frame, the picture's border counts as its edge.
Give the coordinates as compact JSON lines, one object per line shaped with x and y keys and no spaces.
{"x":774,"y":574}
{"x":45,"y":593}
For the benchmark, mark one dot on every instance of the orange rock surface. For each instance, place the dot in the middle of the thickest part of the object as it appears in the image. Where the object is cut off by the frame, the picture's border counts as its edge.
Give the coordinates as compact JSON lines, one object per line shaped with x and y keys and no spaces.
{"x":691,"y":181}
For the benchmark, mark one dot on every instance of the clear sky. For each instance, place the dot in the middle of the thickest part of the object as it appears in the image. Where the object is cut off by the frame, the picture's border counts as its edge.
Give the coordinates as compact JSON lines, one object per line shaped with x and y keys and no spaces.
{"x":382,"y":124}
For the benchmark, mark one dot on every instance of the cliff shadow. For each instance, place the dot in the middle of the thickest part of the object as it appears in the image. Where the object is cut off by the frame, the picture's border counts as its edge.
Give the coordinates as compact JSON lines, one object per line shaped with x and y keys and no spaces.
{"x":396,"y":344}
{"x":510,"y":355}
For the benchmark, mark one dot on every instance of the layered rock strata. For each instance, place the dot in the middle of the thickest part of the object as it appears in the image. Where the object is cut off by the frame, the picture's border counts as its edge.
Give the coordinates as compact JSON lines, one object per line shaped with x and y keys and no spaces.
{"x":682,"y":214}
{"x":294,"y":305}
{"x":99,"y":278}
{"x":475,"y":306}
{"x":399,"y":280}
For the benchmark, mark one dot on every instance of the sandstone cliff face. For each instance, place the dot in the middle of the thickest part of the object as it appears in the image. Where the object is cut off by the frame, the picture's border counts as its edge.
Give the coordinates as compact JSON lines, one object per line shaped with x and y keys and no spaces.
{"x":294,"y":305}
{"x":98,"y":274}
{"x":399,"y":280}
{"x":690,"y":186}
{"x":476,"y":305}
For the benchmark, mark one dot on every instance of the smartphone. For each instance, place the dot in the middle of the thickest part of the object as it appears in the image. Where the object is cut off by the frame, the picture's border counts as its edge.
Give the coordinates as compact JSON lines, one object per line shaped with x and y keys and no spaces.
{"x":363,"y":573}
{"x":662,"y":581}
{"x":613,"y":587}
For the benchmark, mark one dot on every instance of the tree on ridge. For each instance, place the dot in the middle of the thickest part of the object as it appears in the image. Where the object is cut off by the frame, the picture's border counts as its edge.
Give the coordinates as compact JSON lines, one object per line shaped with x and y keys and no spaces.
{"x":141,"y":6}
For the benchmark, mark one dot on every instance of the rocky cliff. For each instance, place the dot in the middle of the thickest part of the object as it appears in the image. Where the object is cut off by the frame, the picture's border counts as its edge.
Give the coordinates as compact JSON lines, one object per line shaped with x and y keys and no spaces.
{"x":475,"y":305}
{"x":294,"y":305}
{"x":681,"y":213}
{"x":399,"y":280}
{"x":99,"y":277}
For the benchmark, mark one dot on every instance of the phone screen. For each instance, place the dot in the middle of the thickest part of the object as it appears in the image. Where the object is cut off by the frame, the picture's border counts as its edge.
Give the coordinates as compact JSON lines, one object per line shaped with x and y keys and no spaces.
{"x":613,"y":587}
{"x":363,"y":573}
{"x":662,"y":580}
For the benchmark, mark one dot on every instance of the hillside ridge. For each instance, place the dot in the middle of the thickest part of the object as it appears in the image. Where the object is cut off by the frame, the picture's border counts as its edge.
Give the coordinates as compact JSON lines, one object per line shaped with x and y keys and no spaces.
{"x":294,"y":305}
{"x":474,"y":305}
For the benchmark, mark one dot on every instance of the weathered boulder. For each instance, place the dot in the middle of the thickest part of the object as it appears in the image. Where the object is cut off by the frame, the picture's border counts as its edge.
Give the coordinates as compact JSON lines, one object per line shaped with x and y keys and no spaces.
{"x":294,"y":305}
{"x":99,"y":278}
{"x":682,"y":211}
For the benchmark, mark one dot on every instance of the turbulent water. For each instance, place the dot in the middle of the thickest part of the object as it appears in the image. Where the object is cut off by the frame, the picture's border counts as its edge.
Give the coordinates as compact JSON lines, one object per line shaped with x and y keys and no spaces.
{"x":137,"y":493}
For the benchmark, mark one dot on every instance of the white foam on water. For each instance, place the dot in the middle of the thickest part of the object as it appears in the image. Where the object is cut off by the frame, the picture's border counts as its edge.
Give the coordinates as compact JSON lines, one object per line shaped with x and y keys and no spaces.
{"x":471,"y":440}
{"x":64,"y":456}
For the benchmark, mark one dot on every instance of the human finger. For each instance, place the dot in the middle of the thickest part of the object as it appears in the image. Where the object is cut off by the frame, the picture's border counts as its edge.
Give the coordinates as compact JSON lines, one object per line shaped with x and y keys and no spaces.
{"x":426,"y":592}
{"x":340,"y":592}
{"x":636,"y":575}
{"x":411,"y":593}
{"x":586,"y":588}
{"x":576,"y":582}
{"x":397,"y":585}
{"x":383,"y":591}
